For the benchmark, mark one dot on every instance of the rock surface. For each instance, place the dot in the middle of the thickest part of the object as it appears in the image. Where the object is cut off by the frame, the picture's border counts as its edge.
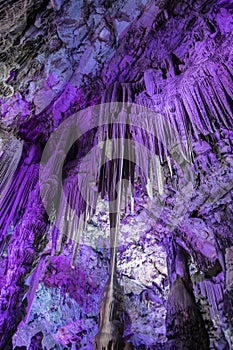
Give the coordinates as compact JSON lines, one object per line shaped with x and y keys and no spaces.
{"x":174,"y":258}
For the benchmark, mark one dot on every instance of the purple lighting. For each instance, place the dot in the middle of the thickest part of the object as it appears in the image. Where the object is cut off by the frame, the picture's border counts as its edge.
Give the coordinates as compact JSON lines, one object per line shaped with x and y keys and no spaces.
{"x":116,"y":139}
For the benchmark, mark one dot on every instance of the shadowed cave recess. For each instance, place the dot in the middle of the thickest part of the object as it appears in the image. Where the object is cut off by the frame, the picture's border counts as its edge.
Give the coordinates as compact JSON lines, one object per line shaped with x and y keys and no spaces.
{"x":116,"y":139}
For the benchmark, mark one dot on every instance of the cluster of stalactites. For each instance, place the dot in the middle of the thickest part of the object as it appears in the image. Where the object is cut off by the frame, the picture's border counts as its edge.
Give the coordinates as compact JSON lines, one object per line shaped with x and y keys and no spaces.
{"x":131,"y":141}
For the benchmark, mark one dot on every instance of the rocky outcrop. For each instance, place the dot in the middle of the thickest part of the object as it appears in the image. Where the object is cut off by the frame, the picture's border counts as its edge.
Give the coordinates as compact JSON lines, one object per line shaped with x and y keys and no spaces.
{"x":27,"y":242}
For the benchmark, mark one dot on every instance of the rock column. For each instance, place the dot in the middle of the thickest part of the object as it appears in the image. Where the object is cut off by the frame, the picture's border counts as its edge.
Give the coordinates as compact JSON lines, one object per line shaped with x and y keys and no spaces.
{"x":184,"y":323}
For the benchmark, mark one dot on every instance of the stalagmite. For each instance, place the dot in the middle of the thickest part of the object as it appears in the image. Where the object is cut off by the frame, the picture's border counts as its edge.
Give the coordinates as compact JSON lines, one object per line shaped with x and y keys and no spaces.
{"x":184,"y":323}
{"x":110,"y":318}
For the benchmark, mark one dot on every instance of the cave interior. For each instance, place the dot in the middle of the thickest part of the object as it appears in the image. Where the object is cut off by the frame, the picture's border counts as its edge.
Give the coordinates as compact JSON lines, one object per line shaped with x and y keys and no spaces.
{"x":116,"y":139}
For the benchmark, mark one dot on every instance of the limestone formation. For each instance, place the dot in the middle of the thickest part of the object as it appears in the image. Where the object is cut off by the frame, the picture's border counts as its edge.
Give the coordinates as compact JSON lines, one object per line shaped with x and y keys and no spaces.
{"x":116,"y":139}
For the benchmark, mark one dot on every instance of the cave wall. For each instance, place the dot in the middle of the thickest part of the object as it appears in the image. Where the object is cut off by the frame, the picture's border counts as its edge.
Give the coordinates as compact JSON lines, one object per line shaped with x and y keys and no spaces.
{"x":58,"y":58}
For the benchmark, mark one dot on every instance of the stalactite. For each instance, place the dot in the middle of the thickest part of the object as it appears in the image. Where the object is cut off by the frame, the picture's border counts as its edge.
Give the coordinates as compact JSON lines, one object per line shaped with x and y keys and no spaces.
{"x":111,"y":325}
{"x":214,"y":294}
{"x":212,"y":321}
{"x":12,"y":206}
{"x":10,"y":154}
{"x":229,"y":269}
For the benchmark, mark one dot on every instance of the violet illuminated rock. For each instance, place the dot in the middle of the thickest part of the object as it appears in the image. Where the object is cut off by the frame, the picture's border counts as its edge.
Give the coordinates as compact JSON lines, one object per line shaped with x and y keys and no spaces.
{"x":175,"y":58}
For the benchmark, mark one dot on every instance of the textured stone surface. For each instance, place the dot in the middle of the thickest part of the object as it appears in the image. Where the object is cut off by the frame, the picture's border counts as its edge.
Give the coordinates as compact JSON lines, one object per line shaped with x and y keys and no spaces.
{"x":175,"y":57}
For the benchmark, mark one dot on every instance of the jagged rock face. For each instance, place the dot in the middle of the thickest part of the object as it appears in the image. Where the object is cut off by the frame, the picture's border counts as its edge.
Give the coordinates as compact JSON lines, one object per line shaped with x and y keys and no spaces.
{"x":66,"y":307}
{"x":174,"y":58}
